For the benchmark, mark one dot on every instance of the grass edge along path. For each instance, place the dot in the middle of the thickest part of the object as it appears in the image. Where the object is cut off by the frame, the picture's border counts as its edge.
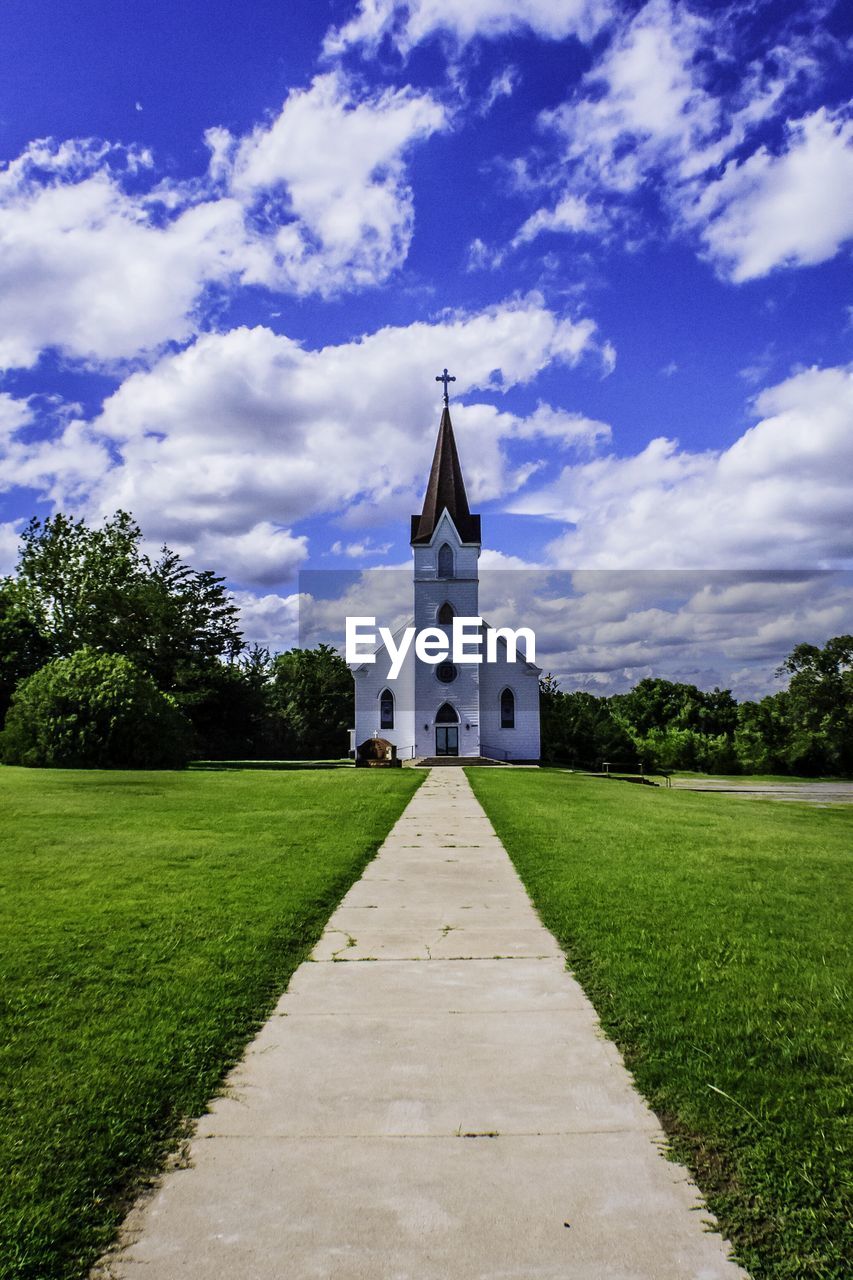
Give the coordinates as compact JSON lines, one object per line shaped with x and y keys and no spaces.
{"x":148,"y":924}
{"x":710,"y":933}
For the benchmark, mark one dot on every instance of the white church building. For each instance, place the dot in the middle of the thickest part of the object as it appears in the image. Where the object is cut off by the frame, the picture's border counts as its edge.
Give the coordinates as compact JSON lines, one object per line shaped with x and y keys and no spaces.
{"x":488,"y":710}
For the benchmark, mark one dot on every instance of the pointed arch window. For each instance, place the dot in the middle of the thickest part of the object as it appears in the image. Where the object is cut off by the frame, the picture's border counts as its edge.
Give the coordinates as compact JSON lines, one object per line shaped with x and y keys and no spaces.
{"x":446,"y":614}
{"x":386,"y":709}
{"x":445,"y":560}
{"x":446,"y":714}
{"x":507,"y":709}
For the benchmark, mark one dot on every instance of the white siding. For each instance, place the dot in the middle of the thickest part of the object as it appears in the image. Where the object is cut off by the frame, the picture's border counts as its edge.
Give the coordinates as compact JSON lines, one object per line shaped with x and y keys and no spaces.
{"x":370,"y":680}
{"x":522,"y":742}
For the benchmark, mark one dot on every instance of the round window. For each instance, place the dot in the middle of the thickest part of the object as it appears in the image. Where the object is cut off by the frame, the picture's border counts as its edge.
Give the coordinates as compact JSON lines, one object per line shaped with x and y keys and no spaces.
{"x":446,"y":672}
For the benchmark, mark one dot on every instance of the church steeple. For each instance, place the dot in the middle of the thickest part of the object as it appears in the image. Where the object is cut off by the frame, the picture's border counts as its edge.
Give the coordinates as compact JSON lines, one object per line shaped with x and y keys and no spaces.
{"x":445,"y":491}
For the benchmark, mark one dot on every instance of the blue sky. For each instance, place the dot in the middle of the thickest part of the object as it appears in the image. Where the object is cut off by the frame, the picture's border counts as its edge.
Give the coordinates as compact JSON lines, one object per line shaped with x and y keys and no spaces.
{"x":238,"y":242}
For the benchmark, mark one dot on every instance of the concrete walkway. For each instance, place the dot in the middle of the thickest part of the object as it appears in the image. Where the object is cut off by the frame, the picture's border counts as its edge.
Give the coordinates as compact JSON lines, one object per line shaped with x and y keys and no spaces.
{"x":440,"y":1105}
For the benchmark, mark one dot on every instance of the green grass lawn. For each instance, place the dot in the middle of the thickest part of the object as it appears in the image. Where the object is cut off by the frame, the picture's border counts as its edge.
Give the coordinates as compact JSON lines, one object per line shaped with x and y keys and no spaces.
{"x":712,"y":937}
{"x":148,"y":922}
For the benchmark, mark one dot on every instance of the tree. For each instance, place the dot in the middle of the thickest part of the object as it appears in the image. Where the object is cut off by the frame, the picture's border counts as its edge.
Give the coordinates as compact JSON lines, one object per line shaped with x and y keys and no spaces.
{"x":312,"y":703}
{"x":679,"y":726}
{"x":94,"y":587}
{"x":94,"y":710}
{"x":580,"y":728}
{"x":761,"y":737}
{"x":23,"y":646}
{"x":232,"y":715}
{"x":819,"y":707}
{"x":84,"y":587}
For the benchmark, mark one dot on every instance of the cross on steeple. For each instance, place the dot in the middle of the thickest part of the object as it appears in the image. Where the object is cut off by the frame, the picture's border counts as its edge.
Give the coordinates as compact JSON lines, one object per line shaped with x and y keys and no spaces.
{"x":445,"y":378}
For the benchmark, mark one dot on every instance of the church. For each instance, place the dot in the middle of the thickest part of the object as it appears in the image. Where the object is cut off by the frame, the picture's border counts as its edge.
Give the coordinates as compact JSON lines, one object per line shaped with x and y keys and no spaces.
{"x":487,"y":711}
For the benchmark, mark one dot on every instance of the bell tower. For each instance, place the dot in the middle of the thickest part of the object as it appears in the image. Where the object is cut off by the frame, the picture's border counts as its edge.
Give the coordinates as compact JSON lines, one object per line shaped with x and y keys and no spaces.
{"x":446,"y":542}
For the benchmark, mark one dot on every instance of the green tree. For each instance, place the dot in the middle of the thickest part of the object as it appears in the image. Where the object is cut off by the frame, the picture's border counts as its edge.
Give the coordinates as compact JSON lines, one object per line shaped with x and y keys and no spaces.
{"x":580,"y":728}
{"x":679,"y":726}
{"x":23,"y":646}
{"x":233,"y":714}
{"x":94,"y":710}
{"x":94,"y":587}
{"x":312,"y":699}
{"x":819,"y":707}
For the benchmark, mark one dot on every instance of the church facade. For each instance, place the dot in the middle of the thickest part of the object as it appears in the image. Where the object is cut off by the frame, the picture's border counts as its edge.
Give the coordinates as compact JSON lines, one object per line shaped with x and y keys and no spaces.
{"x":488,"y":710}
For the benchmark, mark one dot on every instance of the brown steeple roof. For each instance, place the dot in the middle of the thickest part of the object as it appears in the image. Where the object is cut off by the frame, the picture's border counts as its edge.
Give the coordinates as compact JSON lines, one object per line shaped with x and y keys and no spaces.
{"x":445,"y":490}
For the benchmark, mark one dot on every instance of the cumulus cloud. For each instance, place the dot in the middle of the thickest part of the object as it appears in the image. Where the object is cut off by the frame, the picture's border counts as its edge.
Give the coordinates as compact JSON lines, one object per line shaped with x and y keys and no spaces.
{"x":221,"y":448}
{"x":269,"y":620}
{"x":778,"y":496}
{"x":651,"y":114}
{"x":409,"y":22}
{"x":315,"y":200}
{"x":338,"y":161}
{"x":790,"y":209}
{"x":94,"y":270}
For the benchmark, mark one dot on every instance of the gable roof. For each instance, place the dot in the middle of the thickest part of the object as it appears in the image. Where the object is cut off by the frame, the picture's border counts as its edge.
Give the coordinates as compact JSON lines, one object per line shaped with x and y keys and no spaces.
{"x":445,"y":491}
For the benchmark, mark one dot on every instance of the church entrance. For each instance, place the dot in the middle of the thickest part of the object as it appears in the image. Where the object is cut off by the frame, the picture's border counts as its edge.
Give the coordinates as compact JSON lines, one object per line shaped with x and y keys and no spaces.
{"x":446,"y":731}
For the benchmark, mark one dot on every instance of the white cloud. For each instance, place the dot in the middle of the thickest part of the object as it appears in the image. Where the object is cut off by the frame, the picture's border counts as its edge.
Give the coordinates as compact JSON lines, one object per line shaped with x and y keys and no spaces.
{"x":314,"y":201}
{"x":63,"y":465}
{"x":75,"y":247}
{"x":649,"y":117}
{"x":10,"y":533}
{"x":790,"y":209}
{"x":14,"y":414}
{"x":220,"y":448}
{"x":502,"y":85}
{"x":779,"y":496}
{"x":265,"y":553}
{"x":571,"y":213}
{"x":408,"y":22}
{"x":269,"y":620}
{"x":360,"y":550}
{"x":642,"y":102}
{"x":338,"y":159}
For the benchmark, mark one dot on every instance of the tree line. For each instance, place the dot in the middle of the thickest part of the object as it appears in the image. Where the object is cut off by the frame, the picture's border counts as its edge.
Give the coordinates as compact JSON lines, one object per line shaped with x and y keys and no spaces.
{"x":109,"y":657}
{"x":806,"y":728}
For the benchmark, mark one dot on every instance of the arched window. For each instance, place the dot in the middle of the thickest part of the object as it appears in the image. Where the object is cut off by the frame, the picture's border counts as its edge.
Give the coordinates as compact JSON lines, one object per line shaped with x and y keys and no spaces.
{"x":445,"y":561}
{"x":446,"y":672}
{"x":507,"y":709}
{"x":446,"y":615}
{"x":386,"y":709}
{"x":446,"y":715}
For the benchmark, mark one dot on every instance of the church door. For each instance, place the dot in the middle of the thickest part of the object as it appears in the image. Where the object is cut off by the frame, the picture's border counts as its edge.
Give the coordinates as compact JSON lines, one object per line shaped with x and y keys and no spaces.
{"x":447,"y":740}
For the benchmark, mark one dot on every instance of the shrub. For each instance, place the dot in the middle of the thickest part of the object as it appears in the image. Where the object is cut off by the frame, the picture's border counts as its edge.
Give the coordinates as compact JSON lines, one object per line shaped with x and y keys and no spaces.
{"x":94,"y":710}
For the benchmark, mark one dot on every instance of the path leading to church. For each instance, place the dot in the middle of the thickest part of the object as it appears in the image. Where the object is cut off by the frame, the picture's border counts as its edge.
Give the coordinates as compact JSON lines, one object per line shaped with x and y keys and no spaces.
{"x":432,"y":1100}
